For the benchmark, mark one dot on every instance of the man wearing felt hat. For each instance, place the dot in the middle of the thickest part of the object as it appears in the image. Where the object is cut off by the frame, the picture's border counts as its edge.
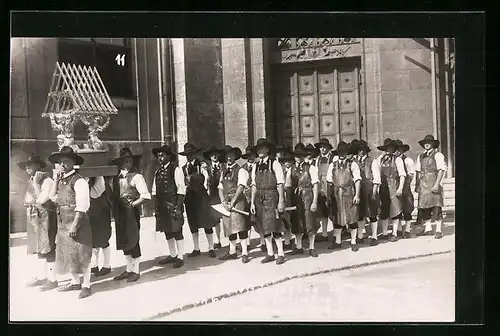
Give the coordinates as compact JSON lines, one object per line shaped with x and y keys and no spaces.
{"x":42,"y":217}
{"x":70,"y":192}
{"x":304,"y":187}
{"x":407,"y":197}
{"x":197,"y":202}
{"x":326,"y":156}
{"x":282,"y":150}
{"x":215,"y":157}
{"x":129,"y":191}
{"x":233,"y":181}
{"x":268,"y":196}
{"x":312,"y":155}
{"x":344,"y":183}
{"x":430,"y":168}
{"x":169,"y":190}
{"x":392,"y":180}
{"x":369,"y":202}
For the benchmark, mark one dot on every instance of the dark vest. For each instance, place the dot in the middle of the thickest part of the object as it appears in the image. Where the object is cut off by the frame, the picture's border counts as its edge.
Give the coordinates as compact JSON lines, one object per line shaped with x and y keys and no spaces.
{"x":166,"y":189}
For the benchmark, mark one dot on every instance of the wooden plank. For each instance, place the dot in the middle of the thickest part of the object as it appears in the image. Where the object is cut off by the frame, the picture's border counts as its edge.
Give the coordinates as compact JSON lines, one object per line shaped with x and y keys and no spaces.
{"x":98,"y":171}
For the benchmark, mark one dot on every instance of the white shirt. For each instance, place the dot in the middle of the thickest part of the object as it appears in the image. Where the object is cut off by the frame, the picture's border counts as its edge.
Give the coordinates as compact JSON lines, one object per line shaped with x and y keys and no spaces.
{"x":98,"y":188}
{"x":400,"y":166}
{"x":410,"y":166}
{"x":82,"y":193}
{"x":441,"y":165}
{"x":243,"y":177}
{"x":276,"y":167}
{"x":44,"y":192}
{"x":178,"y":178}
{"x":355,"y":173}
{"x":139,"y":183}
{"x":313,"y":172}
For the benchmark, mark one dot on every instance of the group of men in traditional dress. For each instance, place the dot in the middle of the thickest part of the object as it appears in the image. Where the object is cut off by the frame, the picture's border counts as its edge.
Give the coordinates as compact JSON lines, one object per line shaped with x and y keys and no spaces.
{"x":285,"y":195}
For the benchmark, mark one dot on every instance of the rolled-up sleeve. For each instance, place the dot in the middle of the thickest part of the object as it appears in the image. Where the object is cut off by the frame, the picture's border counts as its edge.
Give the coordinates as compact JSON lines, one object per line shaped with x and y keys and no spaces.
{"x":45,"y":191}
{"x":313,"y":171}
{"x":441,"y":165}
{"x":329,"y":173}
{"x":400,"y":166}
{"x":376,"y":171}
{"x":242,"y":177}
{"x":153,"y":188}
{"x":356,"y":174}
{"x":278,"y":171}
{"x":204,"y":172}
{"x":82,"y":195}
{"x":140,"y":184}
{"x":252,"y":175}
{"x":410,"y":166}
{"x":417,"y":164}
{"x":98,"y":188}
{"x":180,"y":181}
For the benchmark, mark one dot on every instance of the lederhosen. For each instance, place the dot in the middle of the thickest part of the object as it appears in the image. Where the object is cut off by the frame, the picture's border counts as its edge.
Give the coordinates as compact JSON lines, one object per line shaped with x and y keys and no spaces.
{"x":344,"y":191}
{"x":408,"y":202}
{"x":236,"y":222}
{"x":289,"y":198}
{"x":73,"y":254}
{"x":368,"y":207}
{"x":391,"y":205}
{"x":429,"y":202}
{"x":213,"y":185}
{"x":43,"y":219}
{"x":322,"y":164}
{"x":197,"y":204}
{"x":266,"y":199}
{"x":303,"y":220}
{"x":166,"y":201}
{"x":127,"y":218}
{"x":100,"y":218}
{"x":248,"y":194}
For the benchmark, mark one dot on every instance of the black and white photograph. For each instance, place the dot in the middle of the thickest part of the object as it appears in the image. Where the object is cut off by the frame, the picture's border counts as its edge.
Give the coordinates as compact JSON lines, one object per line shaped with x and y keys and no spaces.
{"x":292,"y":179}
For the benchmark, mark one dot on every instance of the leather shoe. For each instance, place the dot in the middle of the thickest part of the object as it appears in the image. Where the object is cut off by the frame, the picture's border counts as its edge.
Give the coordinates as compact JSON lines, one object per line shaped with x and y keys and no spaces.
{"x":406,"y":235}
{"x":212,"y":254}
{"x":373,"y":242}
{"x":335,"y":246}
{"x":297,"y":251}
{"x":438,"y":235}
{"x":103,"y":271}
{"x":178,"y":263}
{"x":70,"y":287}
{"x":354,"y":247}
{"x":228,"y":256}
{"x":86,"y":292}
{"x":393,"y":238}
{"x":195,"y":253}
{"x":313,"y":253}
{"x":280,"y":260}
{"x":122,"y":276}
{"x":132,"y":277}
{"x":244,"y":259}
{"x":267,"y":259}
{"x":94,"y":270}
{"x":167,"y":260}
{"x":217,"y":245}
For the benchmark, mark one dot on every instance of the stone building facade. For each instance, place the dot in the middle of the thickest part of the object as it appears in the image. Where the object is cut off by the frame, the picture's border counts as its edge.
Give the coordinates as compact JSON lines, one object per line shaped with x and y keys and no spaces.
{"x":234,"y":91}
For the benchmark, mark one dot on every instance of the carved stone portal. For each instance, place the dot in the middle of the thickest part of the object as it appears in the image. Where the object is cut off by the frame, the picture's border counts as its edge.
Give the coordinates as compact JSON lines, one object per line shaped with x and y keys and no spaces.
{"x":302,"y":49}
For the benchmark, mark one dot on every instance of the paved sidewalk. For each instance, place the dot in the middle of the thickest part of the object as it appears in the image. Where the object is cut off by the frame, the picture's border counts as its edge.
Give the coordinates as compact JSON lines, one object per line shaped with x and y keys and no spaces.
{"x":162,"y":291}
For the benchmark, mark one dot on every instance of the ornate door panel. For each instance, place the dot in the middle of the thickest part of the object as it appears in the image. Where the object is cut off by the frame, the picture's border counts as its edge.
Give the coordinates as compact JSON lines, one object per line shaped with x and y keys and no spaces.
{"x":312,"y":103}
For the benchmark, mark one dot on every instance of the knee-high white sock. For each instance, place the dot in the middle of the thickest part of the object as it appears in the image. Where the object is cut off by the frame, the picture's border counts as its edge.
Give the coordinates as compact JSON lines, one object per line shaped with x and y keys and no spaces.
{"x":312,"y":238}
{"x":210,"y":238}
{"x":196,"y":241}
{"x":287,"y":236}
{"x":428,"y":226}
{"x":324,"y":227}
{"x":374,"y":226}
{"x":232,"y":246}
{"x":106,"y":253}
{"x":407,"y":225}
{"x":180,"y":249}
{"x":385,"y":226}
{"x":86,"y":278}
{"x":354,"y":233}
{"x":95,"y":258}
{"x":395,"y":224}
{"x":172,"y":247}
{"x":269,"y":245}
{"x":361,"y":227}
{"x":439,"y":225}
{"x":42,"y":269}
{"x":338,"y":235}
{"x":75,"y":278}
{"x":298,"y":240}
{"x":136,"y":263}
{"x":130,"y":263}
{"x":244,"y":247}
{"x":262,"y":239}
{"x":217,"y":232}
{"x":279,"y":245}
{"x":51,"y":271}
{"x":248,"y":239}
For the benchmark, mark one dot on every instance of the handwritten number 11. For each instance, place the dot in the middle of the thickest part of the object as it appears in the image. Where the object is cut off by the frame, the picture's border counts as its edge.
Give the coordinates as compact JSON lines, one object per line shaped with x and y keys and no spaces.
{"x":120,"y":59}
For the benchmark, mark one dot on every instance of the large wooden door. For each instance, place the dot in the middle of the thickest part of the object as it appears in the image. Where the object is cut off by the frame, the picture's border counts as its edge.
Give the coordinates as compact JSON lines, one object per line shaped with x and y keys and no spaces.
{"x":317,"y":102}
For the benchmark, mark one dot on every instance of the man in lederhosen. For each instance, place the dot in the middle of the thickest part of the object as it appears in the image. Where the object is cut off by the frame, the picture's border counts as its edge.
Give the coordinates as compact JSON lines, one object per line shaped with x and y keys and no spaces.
{"x":430,"y":168}
{"x":344,"y":181}
{"x":233,"y":181}
{"x":305,"y":185}
{"x":392,"y":180}
{"x":100,"y":223}
{"x":214,"y":157}
{"x":281,"y":152}
{"x":169,"y":189}
{"x":42,"y":217}
{"x":268,"y":199}
{"x":323,"y":161}
{"x":70,"y":192}
{"x":369,"y":202}
{"x":129,"y":191}
{"x":198,"y":209}
{"x":407,"y":196}
{"x":251,"y":157}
